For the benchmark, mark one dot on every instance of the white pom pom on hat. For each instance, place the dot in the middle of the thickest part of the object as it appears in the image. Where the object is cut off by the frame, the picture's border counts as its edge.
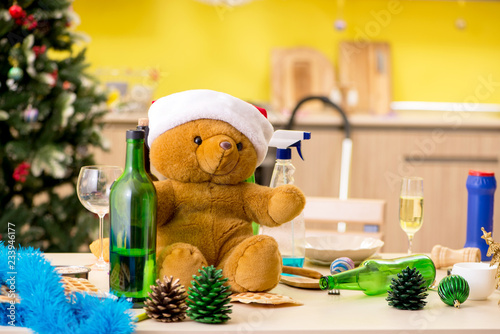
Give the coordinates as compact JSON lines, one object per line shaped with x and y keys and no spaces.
{"x":179,"y":108}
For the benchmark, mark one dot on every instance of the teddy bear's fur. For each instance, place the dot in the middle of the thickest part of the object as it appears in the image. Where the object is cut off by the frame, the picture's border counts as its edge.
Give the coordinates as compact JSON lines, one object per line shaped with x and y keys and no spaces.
{"x":205,"y":208}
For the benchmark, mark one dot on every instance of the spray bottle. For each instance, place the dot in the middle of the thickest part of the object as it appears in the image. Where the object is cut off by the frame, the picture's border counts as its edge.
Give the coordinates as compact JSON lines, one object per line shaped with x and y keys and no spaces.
{"x":291,"y":235}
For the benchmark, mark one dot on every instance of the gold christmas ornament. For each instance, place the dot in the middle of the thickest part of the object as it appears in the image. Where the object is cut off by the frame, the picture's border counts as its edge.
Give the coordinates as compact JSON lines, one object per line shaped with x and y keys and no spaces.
{"x":493,"y":251}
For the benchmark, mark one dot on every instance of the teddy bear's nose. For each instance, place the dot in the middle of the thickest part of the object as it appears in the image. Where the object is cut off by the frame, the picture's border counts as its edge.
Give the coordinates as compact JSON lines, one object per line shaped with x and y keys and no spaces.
{"x":225,"y":145}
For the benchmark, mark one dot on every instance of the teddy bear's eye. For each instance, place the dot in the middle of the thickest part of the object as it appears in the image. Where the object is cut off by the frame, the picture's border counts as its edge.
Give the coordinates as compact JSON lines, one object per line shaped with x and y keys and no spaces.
{"x":198,"y":140}
{"x":239,"y":146}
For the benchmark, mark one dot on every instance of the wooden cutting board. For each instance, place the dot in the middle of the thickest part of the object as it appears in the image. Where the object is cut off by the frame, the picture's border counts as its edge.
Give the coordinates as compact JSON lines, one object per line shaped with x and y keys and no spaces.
{"x":365,"y":67}
{"x":297,"y":73}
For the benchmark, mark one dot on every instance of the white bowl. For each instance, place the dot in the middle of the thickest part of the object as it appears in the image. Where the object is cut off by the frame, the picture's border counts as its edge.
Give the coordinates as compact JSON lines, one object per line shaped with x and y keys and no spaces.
{"x":479,"y":275}
{"x":325,"y":249}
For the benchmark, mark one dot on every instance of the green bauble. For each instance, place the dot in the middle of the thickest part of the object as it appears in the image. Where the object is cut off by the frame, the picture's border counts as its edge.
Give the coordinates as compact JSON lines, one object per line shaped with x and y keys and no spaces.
{"x":15,"y":73}
{"x":453,"y":290}
{"x":408,"y":291}
{"x":208,"y":297}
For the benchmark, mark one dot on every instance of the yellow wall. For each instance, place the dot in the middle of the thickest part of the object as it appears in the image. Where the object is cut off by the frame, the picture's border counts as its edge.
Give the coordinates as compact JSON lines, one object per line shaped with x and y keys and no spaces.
{"x":228,"y":48}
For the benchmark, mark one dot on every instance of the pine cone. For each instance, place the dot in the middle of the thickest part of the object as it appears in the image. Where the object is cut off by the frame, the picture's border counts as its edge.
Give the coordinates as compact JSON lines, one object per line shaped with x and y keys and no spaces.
{"x":208,"y":297}
{"x":408,"y":291}
{"x":166,"y":302}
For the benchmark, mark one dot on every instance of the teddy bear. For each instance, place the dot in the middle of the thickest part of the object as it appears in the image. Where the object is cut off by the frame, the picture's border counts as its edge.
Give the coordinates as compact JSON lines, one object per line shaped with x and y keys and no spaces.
{"x":206,"y":144}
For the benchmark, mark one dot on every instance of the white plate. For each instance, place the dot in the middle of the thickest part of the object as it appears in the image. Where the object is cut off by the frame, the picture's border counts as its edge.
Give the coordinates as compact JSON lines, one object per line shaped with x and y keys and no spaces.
{"x":324,"y":249}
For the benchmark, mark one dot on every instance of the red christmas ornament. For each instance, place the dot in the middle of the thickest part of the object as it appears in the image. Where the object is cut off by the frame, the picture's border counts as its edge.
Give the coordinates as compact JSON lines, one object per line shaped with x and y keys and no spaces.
{"x":54,"y":75}
{"x":33,"y":25}
{"x":38,"y":50}
{"x":66,"y":85}
{"x":21,"y":171}
{"x":30,"y":23}
{"x":16,"y":12}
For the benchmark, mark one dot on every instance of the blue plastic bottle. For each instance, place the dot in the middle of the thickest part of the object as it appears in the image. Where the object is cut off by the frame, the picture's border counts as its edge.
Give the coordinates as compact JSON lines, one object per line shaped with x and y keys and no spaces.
{"x":481,"y":188}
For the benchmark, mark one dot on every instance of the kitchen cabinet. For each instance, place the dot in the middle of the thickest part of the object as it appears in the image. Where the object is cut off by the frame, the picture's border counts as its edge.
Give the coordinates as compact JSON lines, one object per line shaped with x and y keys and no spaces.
{"x":440,"y":148}
{"x":365,"y":68}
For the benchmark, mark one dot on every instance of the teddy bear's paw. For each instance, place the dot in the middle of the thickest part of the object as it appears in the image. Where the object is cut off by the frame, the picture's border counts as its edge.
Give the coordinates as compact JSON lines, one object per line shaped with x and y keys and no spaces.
{"x":286,"y":203}
{"x":254,"y":265}
{"x":181,"y":261}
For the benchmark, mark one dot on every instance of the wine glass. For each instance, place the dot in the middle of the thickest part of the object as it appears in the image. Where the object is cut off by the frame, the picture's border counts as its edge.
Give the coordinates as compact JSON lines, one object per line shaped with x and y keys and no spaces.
{"x":93,"y":187}
{"x":411,"y":207}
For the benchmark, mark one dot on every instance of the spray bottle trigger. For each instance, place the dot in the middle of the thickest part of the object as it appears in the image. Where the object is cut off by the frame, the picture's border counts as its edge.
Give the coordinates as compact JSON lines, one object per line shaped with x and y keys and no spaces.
{"x":298,"y":145}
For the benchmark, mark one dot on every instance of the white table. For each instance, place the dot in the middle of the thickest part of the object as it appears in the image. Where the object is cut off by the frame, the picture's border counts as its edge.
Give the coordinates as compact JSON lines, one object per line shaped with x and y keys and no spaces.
{"x":351,"y":312}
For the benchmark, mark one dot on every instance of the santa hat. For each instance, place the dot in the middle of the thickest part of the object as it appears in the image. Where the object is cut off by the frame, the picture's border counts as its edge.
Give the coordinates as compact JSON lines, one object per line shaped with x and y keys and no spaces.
{"x":179,"y":108}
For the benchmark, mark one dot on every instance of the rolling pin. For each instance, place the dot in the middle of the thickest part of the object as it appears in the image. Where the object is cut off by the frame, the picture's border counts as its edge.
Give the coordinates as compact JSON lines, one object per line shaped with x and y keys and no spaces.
{"x":446,"y":257}
{"x":302,"y":272}
{"x":305,"y":278}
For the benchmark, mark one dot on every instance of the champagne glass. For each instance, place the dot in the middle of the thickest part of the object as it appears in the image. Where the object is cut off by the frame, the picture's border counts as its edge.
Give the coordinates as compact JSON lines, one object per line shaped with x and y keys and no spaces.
{"x":411,"y":207}
{"x":93,"y":187}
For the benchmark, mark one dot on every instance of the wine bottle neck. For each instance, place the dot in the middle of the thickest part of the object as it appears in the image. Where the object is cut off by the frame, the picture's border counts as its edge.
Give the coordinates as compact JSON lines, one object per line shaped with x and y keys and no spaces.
{"x":147,"y":164}
{"x":135,"y":155}
{"x":345,"y":280}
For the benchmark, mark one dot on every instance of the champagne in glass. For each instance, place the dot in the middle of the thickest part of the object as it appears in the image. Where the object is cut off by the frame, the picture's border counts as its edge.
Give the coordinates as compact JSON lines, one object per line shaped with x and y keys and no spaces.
{"x":411,"y":207}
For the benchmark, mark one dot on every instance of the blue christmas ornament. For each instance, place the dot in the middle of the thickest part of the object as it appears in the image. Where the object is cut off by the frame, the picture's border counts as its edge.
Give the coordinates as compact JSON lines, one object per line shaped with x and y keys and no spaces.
{"x":341,"y":264}
{"x":30,"y":114}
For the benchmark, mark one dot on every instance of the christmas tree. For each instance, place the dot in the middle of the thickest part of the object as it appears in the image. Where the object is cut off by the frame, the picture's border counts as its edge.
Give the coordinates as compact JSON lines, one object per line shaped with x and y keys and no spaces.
{"x":49,"y":111}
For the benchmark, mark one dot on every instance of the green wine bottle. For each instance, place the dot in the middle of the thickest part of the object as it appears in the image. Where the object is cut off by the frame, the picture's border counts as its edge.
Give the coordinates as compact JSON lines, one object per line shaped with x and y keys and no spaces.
{"x":133,"y":202}
{"x":374,"y":277}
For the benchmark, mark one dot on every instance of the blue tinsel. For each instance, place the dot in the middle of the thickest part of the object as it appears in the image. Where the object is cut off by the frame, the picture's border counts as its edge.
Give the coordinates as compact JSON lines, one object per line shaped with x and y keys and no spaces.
{"x":44,"y":307}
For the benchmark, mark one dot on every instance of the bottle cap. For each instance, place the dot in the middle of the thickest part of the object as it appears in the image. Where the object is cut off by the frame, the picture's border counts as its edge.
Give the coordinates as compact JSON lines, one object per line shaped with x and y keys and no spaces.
{"x":480,"y":173}
{"x":283,"y":153}
{"x":135,"y":134}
